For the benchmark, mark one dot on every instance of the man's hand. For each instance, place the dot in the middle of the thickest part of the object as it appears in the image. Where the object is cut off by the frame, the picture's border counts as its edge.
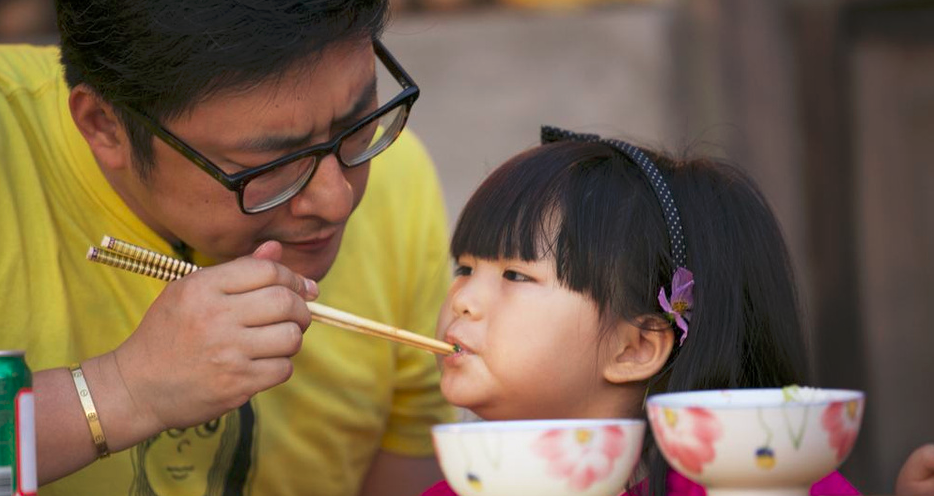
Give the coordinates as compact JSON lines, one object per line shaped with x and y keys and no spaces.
{"x":215,"y":338}
{"x":916,"y":477}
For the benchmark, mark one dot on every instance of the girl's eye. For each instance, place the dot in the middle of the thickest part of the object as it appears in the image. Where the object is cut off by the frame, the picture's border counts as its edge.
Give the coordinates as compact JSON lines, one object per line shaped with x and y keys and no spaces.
{"x":462,"y":270}
{"x":511,"y":275}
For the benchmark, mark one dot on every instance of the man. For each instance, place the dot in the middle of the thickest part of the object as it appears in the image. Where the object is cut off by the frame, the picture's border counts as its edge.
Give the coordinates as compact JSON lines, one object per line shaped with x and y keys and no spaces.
{"x":240,"y":136}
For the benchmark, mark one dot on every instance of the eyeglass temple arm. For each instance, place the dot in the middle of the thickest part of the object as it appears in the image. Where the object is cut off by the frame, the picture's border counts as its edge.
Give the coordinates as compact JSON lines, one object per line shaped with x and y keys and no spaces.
{"x":392,"y":65}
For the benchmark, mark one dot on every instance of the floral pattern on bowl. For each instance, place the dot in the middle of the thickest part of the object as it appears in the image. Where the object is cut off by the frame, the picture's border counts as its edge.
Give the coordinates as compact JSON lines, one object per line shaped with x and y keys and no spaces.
{"x":582,"y":456}
{"x":842,"y":420}
{"x":756,"y":441}
{"x":687,"y":435}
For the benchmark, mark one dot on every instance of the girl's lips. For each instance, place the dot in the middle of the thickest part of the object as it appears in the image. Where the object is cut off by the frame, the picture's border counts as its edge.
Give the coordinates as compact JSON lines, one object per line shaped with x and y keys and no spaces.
{"x":455,"y":358}
{"x":463,"y":350}
{"x":453,"y":339}
{"x":460,"y":352}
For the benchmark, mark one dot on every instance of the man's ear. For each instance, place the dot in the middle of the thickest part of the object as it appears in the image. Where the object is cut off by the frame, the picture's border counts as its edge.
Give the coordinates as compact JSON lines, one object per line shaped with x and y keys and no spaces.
{"x":100,"y":127}
{"x":639,"y":350}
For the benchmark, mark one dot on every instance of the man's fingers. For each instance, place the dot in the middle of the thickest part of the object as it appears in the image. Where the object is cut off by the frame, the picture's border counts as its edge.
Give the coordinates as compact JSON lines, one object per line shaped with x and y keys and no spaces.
{"x":916,"y":477}
{"x":249,"y":273}
{"x":269,"y":372}
{"x":921,"y":463}
{"x":270,"y":305}
{"x":273,"y":341}
{"x":270,"y":250}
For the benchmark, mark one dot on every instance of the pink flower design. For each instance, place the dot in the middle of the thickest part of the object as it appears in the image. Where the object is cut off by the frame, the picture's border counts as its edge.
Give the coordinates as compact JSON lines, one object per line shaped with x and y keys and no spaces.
{"x":583,"y":456}
{"x":678,"y":309}
{"x":841,"y":420}
{"x":686,"y":435}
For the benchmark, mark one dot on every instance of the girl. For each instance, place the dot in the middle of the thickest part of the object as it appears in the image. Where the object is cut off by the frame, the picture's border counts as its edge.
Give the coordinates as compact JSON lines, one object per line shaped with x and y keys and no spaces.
{"x":591,"y":274}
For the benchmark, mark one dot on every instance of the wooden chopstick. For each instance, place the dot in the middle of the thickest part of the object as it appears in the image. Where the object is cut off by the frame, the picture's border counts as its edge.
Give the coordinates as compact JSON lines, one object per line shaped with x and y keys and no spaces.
{"x":139,"y":260}
{"x":148,"y":256}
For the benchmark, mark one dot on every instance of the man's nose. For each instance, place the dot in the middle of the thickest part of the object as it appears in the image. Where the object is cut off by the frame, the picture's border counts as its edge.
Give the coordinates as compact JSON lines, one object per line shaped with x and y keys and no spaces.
{"x":328,"y":195}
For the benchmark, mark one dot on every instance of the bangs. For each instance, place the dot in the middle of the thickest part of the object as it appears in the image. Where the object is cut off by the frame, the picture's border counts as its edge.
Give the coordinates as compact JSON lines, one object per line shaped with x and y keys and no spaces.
{"x":577,"y":204}
{"x":516,"y":212}
{"x":507,"y":216}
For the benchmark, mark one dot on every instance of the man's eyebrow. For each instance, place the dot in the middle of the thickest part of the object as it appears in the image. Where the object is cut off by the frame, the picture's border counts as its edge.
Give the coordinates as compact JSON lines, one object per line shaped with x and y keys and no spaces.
{"x":272,"y":143}
{"x":366,"y":98}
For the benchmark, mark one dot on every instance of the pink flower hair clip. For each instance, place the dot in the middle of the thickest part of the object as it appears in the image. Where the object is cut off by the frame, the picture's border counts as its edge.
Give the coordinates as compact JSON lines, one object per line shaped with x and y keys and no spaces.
{"x":678,"y":308}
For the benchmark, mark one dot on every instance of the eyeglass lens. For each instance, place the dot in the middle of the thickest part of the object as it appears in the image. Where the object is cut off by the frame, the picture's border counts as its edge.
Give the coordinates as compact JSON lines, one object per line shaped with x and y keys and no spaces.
{"x":284,"y":182}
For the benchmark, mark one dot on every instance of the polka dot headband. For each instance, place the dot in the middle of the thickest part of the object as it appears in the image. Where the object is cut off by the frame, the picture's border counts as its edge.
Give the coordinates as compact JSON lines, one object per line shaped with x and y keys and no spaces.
{"x":679,"y":305}
{"x":659,"y":186}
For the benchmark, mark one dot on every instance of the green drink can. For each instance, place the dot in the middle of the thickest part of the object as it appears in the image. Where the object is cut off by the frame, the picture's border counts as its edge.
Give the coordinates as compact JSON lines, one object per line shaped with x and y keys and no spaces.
{"x":17,"y":426}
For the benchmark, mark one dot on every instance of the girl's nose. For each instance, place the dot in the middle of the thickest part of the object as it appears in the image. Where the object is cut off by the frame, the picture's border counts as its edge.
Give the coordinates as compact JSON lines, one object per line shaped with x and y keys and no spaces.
{"x":466,"y":300}
{"x":329,"y":195}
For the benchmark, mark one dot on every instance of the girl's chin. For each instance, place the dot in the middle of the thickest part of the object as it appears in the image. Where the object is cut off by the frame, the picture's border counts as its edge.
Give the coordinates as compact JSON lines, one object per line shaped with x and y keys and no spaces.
{"x":462,"y":399}
{"x":456,"y":399}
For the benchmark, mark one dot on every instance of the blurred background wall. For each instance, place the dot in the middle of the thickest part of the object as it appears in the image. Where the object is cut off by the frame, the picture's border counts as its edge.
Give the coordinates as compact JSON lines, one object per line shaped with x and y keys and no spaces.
{"x":829,"y":104}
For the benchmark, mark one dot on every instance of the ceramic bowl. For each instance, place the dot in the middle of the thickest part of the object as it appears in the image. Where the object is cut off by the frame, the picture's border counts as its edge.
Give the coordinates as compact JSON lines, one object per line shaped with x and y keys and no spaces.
{"x":584,"y":457}
{"x":756,"y":441}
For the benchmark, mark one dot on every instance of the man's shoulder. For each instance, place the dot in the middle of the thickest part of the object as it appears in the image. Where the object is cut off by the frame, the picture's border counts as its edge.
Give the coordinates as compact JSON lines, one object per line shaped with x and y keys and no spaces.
{"x":403,"y":205}
{"x":403,"y":178}
{"x":407,"y":158}
{"x":28,"y":67}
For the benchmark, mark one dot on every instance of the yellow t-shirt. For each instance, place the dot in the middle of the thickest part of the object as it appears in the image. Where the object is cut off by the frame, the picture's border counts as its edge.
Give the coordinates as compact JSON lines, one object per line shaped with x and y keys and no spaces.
{"x":350,"y":394}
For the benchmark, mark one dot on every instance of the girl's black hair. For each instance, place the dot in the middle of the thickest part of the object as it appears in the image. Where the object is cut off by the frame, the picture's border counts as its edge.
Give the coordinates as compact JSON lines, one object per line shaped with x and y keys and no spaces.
{"x":592,"y":210}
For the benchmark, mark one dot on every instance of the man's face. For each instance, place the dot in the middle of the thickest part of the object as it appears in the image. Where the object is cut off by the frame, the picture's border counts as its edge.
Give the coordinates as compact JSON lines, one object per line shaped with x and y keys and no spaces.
{"x":234,"y":130}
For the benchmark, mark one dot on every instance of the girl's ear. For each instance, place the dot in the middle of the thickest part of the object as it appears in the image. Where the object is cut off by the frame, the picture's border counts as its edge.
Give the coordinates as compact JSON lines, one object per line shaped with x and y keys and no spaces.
{"x":100,"y":127}
{"x":639,"y":350}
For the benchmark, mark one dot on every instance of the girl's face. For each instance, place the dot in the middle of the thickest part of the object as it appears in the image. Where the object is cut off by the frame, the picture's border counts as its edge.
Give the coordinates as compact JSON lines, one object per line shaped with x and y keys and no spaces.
{"x":530,"y":346}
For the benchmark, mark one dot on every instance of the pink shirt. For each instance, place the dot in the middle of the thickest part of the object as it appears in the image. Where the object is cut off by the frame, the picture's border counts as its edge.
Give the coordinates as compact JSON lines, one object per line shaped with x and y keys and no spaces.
{"x":832,"y":485}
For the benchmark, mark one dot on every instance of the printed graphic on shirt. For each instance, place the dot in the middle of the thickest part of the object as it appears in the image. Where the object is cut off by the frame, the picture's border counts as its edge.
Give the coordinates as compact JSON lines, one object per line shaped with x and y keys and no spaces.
{"x":209,"y":459}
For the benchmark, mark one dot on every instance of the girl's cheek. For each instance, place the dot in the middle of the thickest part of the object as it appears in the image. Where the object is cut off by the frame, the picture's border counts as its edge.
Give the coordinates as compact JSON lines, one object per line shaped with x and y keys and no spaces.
{"x":444,"y":318}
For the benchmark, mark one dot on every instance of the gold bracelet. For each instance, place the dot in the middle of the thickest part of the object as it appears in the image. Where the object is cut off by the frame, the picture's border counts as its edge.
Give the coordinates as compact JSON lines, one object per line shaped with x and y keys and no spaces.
{"x":94,"y":422}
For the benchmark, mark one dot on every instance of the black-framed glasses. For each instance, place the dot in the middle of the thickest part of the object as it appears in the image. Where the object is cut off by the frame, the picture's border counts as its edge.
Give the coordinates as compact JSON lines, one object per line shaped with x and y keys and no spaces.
{"x":269,"y":185}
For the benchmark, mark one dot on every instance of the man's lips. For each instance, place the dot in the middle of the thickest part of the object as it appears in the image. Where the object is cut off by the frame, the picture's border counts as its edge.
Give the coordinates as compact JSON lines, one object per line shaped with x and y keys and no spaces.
{"x":317,"y":242}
